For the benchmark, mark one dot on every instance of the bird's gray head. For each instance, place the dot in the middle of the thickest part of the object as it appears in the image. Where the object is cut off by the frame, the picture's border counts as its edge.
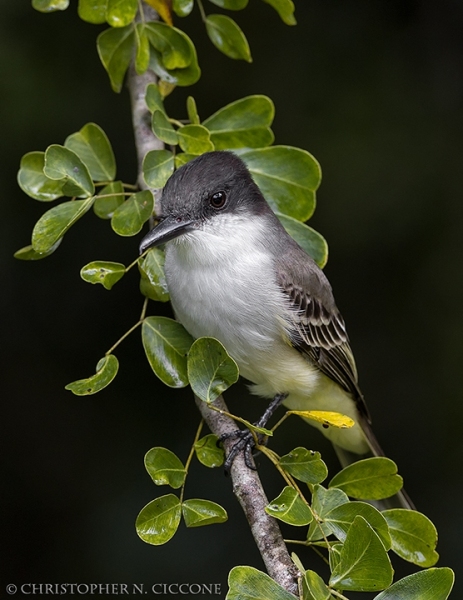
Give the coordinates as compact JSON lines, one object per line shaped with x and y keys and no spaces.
{"x":210,"y":185}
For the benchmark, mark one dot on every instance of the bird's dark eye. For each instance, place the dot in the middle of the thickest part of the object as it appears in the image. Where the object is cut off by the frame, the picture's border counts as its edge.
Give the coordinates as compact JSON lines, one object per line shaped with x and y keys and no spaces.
{"x":218,"y":199}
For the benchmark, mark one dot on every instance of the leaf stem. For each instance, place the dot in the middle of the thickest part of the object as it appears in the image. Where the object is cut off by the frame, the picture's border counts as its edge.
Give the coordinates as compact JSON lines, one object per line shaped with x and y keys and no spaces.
{"x":127,"y":333}
{"x":201,"y":10}
{"x":190,"y":456}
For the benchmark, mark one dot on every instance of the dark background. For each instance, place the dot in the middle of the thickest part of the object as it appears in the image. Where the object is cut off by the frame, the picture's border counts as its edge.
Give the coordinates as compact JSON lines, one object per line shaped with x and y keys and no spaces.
{"x":374,"y":90}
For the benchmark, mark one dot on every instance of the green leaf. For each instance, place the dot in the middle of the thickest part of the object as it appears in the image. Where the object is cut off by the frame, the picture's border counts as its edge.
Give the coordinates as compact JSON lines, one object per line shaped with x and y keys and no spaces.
{"x":247,"y":583}
{"x":115,"y":48}
{"x":104,"y":272}
{"x":106,"y":370}
{"x":195,"y":139}
{"x":158,"y":166}
{"x":163,"y":129}
{"x":28,"y":252}
{"x":159,"y":520}
{"x":243,"y":123}
{"x":182,"y":8}
{"x":340,"y":518}
{"x":308,"y":239}
{"x":197,"y":513}
{"x":109,"y":199}
{"x":153,"y":98}
{"x":192,"y":111}
{"x":285,"y":8}
{"x":92,"y":146}
{"x":183,"y":158}
{"x":164,"y":467}
{"x":153,"y":283}
{"x":288,"y":178}
{"x":305,"y":465}
{"x":121,"y":13}
{"x":313,"y":587}
{"x":49,"y":5}
{"x":369,"y":479}
{"x":211,"y":370}
{"x":92,"y":11}
{"x":227,"y":37}
{"x":34,"y":182}
{"x":230,"y":4}
{"x":335,"y":555}
{"x":290,"y":508}
{"x":55,"y":222}
{"x":208,"y":453}
{"x":142,"y":44}
{"x":64,"y":164}
{"x":166,"y":344}
{"x":323,"y":502}
{"x":364,"y":564}
{"x":432,"y":584}
{"x":129,"y":217}
{"x":176,"y":76}
{"x":414,"y":537}
{"x":172,"y":45}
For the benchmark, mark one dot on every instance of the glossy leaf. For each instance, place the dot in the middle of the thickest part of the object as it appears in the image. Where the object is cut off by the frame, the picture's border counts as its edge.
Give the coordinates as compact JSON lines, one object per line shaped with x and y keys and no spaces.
{"x":166,"y":345}
{"x":243,"y":123}
{"x":290,"y":508}
{"x":285,"y":8}
{"x":129,"y":217}
{"x":308,"y":239}
{"x":414,"y":537}
{"x":197,"y":513}
{"x":153,"y":98}
{"x":228,"y":37}
{"x":158,"y":166}
{"x":169,"y":78}
{"x":192,"y":111}
{"x":211,"y":370}
{"x":163,"y":8}
{"x":182,"y":8}
{"x":325,"y":417}
{"x":364,"y":564}
{"x":208,"y":452}
{"x":340,"y":518}
{"x":109,"y":199}
{"x":106,"y":370}
{"x":323,"y":502}
{"x":64,"y":165}
{"x":171,"y":43}
{"x":163,"y":129}
{"x":28,"y":252}
{"x":335,"y":555}
{"x":313,"y":587}
{"x":288,"y":178}
{"x":46,"y":6}
{"x":230,"y":4}
{"x":153,"y":283}
{"x":115,"y":48}
{"x":164,"y":467}
{"x":92,"y":11}
{"x":104,"y":272}
{"x":369,"y":479}
{"x":120,"y":13}
{"x":142,"y":46}
{"x":432,"y":584}
{"x":305,"y":465}
{"x":247,"y":583}
{"x":55,"y":222}
{"x":92,"y":146}
{"x":34,"y":182}
{"x":195,"y":139}
{"x":159,"y":520}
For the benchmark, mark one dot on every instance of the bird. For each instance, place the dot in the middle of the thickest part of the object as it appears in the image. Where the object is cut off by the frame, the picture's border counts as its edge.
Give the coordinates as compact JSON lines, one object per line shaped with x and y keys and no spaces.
{"x":235,"y":274}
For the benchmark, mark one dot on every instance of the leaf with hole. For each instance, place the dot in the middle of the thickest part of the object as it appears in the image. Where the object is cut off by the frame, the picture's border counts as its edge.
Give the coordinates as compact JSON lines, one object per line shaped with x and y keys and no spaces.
{"x":104,"y":272}
{"x":106,"y":371}
{"x":305,"y":465}
{"x":290,"y":508}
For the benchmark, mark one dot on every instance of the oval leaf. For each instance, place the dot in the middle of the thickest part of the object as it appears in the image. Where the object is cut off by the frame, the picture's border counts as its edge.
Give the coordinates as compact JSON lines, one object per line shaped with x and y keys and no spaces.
{"x":163,"y":129}
{"x":28,"y":252}
{"x":208,"y":452}
{"x":166,"y":344}
{"x":172,"y":44}
{"x":129,"y":217}
{"x":46,"y":6}
{"x":285,"y":8}
{"x":109,"y":199}
{"x":414,"y":537}
{"x":153,"y":98}
{"x":92,"y":11}
{"x":182,"y":8}
{"x":305,"y":465}
{"x":227,"y":37}
{"x":340,"y":518}
{"x":33,"y":181}
{"x":195,"y":139}
{"x":369,"y":479}
{"x":323,"y":501}
{"x":120,"y":13}
{"x":290,"y":508}
{"x":313,"y":587}
{"x":164,"y":467}
{"x":51,"y":226}
{"x":197,"y":513}
{"x":92,"y":146}
{"x":159,"y":520}
{"x":364,"y":564}
{"x":432,"y":584}
{"x":115,"y":48}
{"x":104,"y":272}
{"x":308,"y":239}
{"x":153,"y":283}
{"x":64,"y":164}
{"x":175,"y":76}
{"x":211,"y":370}
{"x":247,"y":583}
{"x":106,"y":370}
{"x":158,"y":166}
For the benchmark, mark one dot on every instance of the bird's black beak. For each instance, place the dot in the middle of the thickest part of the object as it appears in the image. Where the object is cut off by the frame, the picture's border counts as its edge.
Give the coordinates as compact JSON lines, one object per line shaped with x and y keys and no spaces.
{"x":167,"y":229}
